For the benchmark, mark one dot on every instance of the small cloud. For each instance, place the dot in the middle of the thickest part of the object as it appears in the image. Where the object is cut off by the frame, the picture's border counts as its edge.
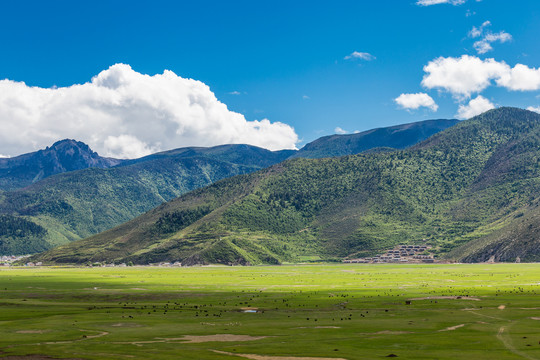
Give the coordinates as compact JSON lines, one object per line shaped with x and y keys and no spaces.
{"x":305,"y":97}
{"x":470,"y":13}
{"x":360,"y":55}
{"x":475,"y":107}
{"x":415,"y":101}
{"x":535,"y":109}
{"x":484,"y":45}
{"x":478,"y":31}
{"x":437,"y":2}
{"x":235,"y":93}
{"x":340,"y":131}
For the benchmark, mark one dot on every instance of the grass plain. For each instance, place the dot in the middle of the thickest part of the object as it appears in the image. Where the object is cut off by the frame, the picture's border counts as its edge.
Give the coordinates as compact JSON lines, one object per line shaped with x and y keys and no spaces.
{"x":290,"y":312}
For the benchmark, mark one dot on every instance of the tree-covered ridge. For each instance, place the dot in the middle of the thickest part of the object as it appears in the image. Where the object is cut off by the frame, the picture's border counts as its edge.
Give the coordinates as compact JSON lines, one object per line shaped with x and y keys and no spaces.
{"x":75,"y":205}
{"x":79,"y":204}
{"x":175,"y":221}
{"x":393,"y":137}
{"x":455,"y":188}
{"x":20,"y":233}
{"x":71,"y":155}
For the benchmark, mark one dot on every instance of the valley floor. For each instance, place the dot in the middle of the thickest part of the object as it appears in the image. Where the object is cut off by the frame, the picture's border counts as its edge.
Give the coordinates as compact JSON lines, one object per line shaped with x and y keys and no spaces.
{"x":302,"y":312}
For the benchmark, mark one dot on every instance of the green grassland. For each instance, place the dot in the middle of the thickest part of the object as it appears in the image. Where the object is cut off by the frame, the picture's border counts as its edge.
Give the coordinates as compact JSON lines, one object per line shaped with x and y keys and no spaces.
{"x":480,"y":311}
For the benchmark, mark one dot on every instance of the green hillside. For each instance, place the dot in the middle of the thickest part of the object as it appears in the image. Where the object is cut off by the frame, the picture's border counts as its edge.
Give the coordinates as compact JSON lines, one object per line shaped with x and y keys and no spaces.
{"x":83,"y":203}
{"x":74,"y":205}
{"x":461,"y":186}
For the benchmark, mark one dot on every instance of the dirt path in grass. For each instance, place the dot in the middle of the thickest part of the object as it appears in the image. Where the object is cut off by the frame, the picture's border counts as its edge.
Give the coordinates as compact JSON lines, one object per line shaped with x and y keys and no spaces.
{"x":318,"y":327}
{"x":487,"y":316}
{"x":447,"y":298}
{"x":391,"y":332}
{"x":452,"y":328}
{"x":220,"y":337}
{"x":267,"y":357}
{"x":84,"y":337}
{"x":30,"y":357}
{"x":197,"y":339}
{"x":503,"y":337}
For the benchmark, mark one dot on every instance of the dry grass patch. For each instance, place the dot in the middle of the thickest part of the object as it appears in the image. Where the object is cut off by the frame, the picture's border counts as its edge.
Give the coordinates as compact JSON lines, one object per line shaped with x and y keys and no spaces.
{"x":269,"y":357}
{"x":447,"y":298}
{"x":219,"y":337}
{"x":318,"y":327}
{"x":451,"y":328}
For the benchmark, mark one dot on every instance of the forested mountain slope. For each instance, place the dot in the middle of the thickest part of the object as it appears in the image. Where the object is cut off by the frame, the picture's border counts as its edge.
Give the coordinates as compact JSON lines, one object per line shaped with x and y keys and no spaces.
{"x":393,"y":137}
{"x":460,"y":186}
{"x":74,"y":205}
{"x":78,"y":204}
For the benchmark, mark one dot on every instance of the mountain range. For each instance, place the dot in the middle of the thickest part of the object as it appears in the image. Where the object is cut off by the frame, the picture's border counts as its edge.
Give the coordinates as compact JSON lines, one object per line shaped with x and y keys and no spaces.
{"x":471,"y":192}
{"x":386,"y":138}
{"x":63,"y":156}
{"x":48,"y":204}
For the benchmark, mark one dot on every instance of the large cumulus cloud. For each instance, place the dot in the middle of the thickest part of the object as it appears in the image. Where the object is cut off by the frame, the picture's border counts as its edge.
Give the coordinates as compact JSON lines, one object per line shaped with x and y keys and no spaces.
{"x":125,"y":114}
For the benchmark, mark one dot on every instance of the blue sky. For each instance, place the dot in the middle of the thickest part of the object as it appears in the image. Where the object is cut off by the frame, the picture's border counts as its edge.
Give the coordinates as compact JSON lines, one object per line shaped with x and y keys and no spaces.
{"x":288,"y":63}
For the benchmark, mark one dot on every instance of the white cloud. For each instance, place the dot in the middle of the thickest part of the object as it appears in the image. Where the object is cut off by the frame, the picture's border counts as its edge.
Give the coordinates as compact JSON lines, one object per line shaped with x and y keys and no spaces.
{"x":360,"y":55}
{"x":535,"y":109}
{"x":234,"y":93}
{"x":484,"y":45}
{"x":501,"y":36}
{"x":478,"y":31}
{"x":462,"y":76}
{"x":123,"y":113}
{"x":340,"y":131}
{"x":466,"y":75}
{"x":520,"y":77}
{"x":128,"y":146}
{"x":475,"y":107}
{"x":3,"y":156}
{"x":436,"y":2}
{"x":305,"y":97}
{"x":415,"y":101}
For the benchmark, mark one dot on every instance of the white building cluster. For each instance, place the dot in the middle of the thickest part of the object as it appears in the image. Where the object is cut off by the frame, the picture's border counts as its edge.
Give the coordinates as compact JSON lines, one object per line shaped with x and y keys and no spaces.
{"x":400,"y":254}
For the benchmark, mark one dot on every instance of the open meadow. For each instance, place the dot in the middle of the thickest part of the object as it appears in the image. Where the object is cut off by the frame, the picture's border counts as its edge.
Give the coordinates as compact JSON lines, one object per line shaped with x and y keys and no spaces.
{"x":353,"y":311}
